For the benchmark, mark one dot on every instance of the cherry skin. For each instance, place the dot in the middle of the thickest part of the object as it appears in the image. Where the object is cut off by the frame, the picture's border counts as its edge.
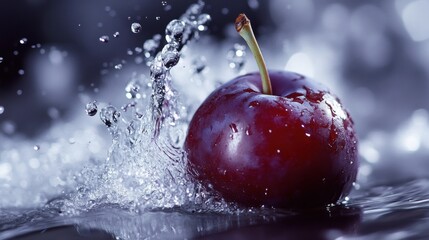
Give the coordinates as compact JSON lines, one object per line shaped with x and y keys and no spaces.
{"x":296,"y":148}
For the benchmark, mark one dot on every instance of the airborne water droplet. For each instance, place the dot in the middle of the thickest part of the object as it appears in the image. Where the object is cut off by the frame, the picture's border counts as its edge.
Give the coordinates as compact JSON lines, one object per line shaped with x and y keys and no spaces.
{"x":253,"y":4}
{"x":202,"y":22}
{"x":109,"y":116}
{"x":36,"y":147}
{"x":170,"y":56}
{"x":1,"y":59}
{"x":149,"y":48}
{"x":104,"y":39}
{"x":118,"y":66}
{"x":236,"y":56}
{"x":91,"y":108}
{"x":136,"y":27}
{"x":199,"y":64}
{"x":132,"y":90}
{"x":23,"y":41}
{"x":1,"y":110}
{"x":174,"y":31}
{"x":116,"y":34}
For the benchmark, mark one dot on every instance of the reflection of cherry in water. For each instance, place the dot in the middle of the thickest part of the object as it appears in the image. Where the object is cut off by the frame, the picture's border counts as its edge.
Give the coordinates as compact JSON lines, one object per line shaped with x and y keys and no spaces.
{"x":291,"y":144}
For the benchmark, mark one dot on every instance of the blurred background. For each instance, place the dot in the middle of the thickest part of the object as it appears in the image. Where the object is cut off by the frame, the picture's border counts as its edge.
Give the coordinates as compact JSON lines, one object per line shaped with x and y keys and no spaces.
{"x":55,"y":56}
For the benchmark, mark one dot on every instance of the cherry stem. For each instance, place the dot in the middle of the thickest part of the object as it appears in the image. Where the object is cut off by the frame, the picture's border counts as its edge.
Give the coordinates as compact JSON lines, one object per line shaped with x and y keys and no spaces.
{"x":243,"y":27}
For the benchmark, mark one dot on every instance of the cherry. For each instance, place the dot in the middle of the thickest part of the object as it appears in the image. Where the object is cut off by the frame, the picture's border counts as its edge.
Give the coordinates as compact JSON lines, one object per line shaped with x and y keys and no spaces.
{"x":284,"y":141}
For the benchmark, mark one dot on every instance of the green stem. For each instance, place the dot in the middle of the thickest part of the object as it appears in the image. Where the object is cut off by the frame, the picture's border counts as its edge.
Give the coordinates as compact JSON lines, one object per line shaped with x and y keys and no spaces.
{"x":243,"y":27}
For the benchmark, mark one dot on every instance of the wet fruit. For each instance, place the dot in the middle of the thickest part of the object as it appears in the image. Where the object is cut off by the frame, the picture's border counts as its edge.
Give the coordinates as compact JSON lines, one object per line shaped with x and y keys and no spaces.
{"x":285,"y":143}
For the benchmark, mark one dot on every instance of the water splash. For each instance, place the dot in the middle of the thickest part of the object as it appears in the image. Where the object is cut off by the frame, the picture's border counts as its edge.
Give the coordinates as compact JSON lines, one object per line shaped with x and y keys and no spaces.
{"x":177,"y":33}
{"x":146,"y":167}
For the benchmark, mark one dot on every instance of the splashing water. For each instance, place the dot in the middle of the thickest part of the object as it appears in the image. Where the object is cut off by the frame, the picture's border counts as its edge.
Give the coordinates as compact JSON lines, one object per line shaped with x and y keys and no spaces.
{"x":146,"y":167}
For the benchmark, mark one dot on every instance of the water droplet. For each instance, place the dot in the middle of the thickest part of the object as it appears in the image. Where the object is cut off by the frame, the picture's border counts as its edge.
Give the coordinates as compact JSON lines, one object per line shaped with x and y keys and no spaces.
{"x":202,"y":21}
{"x":150,"y":46}
{"x":248,"y":131}
{"x":72,"y":140}
{"x":233,"y":127}
{"x":116,"y":34}
{"x":174,"y":31}
{"x":253,"y":4}
{"x":170,"y":56}
{"x":19,"y":92}
{"x":157,"y":17}
{"x":91,"y":108}
{"x":138,"y":60}
{"x":1,"y":59}
{"x":53,"y":113}
{"x":136,"y":27}
{"x":104,"y":39}
{"x":138,"y":49}
{"x":21,"y":72}
{"x":278,"y":150}
{"x":164,"y":3}
{"x":1,"y":109}
{"x":236,"y":56}
{"x":36,"y":147}
{"x":109,"y":115}
{"x":23,"y":41}
{"x":132,"y":90}
{"x":307,"y":134}
{"x":270,"y":131}
{"x":118,"y":66}
{"x":199,"y":64}
{"x":157,"y":69}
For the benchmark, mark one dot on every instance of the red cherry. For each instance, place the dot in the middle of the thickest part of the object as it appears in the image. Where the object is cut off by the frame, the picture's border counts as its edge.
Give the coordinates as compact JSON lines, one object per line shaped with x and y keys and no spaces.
{"x":273,"y":139}
{"x":295,"y":148}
